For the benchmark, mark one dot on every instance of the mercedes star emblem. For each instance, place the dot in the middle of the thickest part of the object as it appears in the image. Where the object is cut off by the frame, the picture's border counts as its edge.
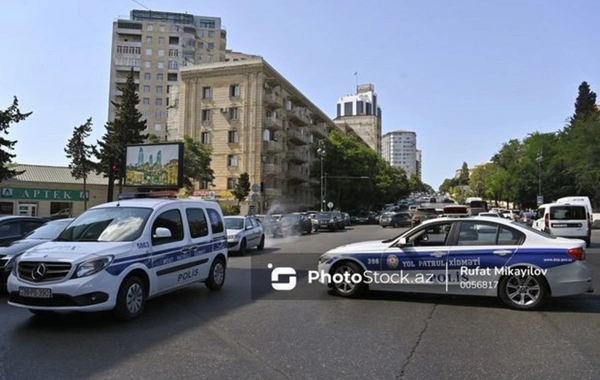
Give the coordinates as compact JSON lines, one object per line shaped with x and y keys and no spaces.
{"x":38,"y":272}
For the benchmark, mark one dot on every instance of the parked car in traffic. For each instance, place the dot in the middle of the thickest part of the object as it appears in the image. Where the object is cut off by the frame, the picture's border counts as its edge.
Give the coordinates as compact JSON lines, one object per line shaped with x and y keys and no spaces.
{"x":422,"y":214}
{"x":14,"y":227}
{"x":271,"y":226}
{"x":244,"y":232}
{"x":329,"y":221}
{"x":395,"y":219}
{"x":296,"y":224}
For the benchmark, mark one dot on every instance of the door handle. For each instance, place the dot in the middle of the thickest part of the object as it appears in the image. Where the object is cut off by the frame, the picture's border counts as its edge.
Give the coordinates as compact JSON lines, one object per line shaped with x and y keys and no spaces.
{"x":438,"y":254}
{"x":502,"y":252}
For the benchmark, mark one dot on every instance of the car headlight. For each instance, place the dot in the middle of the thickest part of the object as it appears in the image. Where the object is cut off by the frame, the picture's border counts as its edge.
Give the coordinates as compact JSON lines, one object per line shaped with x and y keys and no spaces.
{"x":12,"y":265}
{"x":93,"y":266}
{"x":231,"y":237}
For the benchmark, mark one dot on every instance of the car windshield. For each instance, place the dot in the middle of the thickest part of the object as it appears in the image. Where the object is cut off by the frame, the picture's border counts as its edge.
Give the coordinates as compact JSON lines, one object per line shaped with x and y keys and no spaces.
{"x":234,"y":223}
{"x":48,"y":231}
{"x":568,"y":213}
{"x":111,"y":224}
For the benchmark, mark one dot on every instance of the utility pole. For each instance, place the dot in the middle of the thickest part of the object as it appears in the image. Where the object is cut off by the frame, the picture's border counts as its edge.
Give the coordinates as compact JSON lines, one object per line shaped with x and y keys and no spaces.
{"x":539,"y":159}
{"x":321,"y":152}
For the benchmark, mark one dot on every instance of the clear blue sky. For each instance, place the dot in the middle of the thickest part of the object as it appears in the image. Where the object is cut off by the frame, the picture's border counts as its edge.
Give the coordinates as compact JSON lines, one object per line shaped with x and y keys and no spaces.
{"x":466,"y":75}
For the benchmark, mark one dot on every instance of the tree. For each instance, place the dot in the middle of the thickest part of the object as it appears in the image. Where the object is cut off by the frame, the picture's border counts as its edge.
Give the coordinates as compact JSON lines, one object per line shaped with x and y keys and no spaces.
{"x":415,"y":184}
{"x":242,"y":187}
{"x":196,"y":163}
{"x":463,"y":179}
{"x":11,"y":115}
{"x":126,"y":129}
{"x":585,"y":104}
{"x":80,"y":153}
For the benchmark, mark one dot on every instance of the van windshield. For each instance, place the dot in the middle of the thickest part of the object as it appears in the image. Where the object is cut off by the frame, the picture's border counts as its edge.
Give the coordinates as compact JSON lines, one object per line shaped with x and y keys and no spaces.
{"x":568,"y":213}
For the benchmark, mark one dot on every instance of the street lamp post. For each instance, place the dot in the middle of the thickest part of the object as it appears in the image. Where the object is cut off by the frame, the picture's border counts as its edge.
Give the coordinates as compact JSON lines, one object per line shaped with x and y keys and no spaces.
{"x":321,"y":152}
{"x":539,"y":160}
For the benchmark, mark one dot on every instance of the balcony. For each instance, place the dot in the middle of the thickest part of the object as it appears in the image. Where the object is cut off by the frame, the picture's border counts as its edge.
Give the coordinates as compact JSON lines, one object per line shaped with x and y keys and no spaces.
{"x":124,"y":80}
{"x":270,"y":170}
{"x":273,"y":193}
{"x":297,"y":174}
{"x":299,"y":116}
{"x":319,"y":130}
{"x":272,"y":101}
{"x":272,"y":146}
{"x":298,"y":137}
{"x":297,"y":156}
{"x":271,"y":123}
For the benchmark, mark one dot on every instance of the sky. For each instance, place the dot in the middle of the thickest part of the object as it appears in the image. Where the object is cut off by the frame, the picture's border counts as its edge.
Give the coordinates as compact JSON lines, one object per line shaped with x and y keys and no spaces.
{"x":465,"y":75}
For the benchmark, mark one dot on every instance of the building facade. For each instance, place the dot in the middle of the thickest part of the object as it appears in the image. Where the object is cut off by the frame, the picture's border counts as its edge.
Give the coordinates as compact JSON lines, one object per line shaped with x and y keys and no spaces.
{"x":51,"y":191}
{"x":419,"y":164}
{"x":399,"y":149}
{"x":254,"y":121}
{"x":362,"y":114}
{"x":156,"y":45}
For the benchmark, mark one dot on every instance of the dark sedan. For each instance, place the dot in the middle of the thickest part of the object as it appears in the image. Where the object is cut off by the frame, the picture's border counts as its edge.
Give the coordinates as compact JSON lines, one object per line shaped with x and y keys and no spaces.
{"x":47,"y":232}
{"x":296,"y":224}
{"x":330,"y":221}
{"x":14,"y":227}
{"x":395,"y":219}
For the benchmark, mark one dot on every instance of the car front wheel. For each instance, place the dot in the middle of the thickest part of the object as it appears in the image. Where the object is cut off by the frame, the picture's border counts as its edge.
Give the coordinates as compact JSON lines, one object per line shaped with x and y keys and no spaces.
{"x":353,"y":287}
{"x":523,"y":292}
{"x":131,"y":299}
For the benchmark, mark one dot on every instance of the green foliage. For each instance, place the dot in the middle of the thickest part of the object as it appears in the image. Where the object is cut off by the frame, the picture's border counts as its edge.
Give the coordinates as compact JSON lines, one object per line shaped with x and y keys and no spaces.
{"x":11,"y":115}
{"x":79,"y":152}
{"x":463,"y":179}
{"x":356,"y":177}
{"x":242,"y":187}
{"x":196,"y":163}
{"x":229,"y":209}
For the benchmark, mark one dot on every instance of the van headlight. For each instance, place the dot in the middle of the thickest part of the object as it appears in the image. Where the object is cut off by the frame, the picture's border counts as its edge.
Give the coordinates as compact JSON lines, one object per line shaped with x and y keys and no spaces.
{"x":93,"y":266}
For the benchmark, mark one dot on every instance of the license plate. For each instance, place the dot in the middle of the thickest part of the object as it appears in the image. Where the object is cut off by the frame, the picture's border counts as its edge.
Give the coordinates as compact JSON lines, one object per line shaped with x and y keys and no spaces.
{"x":35,"y":292}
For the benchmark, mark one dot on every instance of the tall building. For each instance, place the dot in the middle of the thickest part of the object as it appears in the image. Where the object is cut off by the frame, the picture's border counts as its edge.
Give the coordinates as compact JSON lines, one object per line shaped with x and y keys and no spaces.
{"x":399,"y":149}
{"x":156,"y":45}
{"x":419,"y":156}
{"x":254,"y":121}
{"x":362,"y":113}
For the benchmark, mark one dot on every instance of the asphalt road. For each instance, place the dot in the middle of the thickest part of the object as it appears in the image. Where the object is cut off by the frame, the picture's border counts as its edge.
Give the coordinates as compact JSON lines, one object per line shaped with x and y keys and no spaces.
{"x":249,"y":331}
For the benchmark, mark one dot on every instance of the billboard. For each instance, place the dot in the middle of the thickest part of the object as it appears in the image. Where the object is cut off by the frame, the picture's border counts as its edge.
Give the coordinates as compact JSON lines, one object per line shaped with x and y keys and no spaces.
{"x":154,"y":165}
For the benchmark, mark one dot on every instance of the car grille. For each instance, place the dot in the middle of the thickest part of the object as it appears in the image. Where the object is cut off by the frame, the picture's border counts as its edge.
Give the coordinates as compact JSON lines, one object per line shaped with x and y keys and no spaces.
{"x":43,"y":271}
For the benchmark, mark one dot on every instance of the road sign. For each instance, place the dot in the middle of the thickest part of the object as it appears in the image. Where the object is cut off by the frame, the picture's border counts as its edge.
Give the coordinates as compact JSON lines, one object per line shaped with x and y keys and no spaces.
{"x":540,"y":200}
{"x":212,"y":195}
{"x":255,"y":197}
{"x":255,"y":188}
{"x":330,"y":205}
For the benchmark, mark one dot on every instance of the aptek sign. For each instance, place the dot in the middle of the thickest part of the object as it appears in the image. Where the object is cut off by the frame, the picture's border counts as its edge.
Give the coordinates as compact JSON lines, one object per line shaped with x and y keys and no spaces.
{"x":44,"y":194}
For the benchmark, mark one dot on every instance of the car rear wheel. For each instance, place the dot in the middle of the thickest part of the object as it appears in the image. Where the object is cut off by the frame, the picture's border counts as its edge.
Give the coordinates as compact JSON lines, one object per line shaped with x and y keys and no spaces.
{"x":261,"y":245}
{"x":351,"y":288}
{"x":523,"y":292}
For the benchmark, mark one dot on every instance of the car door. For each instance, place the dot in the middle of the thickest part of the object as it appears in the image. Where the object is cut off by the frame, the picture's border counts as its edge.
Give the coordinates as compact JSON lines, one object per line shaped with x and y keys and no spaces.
{"x":10,"y":231}
{"x":258,"y":227}
{"x":202,"y":246}
{"x":478,"y":252}
{"x":418,"y":266}
{"x":250,"y":233}
{"x":171,"y":256}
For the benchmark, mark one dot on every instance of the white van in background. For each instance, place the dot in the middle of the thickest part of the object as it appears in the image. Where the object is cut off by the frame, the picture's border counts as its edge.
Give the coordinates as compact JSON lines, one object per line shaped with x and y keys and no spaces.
{"x":564,"y":220}
{"x":580,"y":200}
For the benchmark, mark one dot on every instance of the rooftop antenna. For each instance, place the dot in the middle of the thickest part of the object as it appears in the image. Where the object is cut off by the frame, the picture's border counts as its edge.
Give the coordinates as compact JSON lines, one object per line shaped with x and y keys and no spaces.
{"x":138,"y":3}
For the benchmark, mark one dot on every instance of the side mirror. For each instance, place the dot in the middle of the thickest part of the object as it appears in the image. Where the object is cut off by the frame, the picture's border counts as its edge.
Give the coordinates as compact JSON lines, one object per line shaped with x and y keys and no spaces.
{"x":162,"y":233}
{"x":249,"y":227}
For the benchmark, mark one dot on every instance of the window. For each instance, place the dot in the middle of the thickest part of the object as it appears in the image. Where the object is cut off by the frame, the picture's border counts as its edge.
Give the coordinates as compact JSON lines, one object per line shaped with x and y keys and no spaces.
{"x":232,"y":137}
{"x":148,"y":39}
{"x":433,"y":235}
{"x":233,"y":113}
{"x":360,"y":107}
{"x":162,"y":29}
{"x":211,"y":34}
{"x":205,"y":138}
{"x":173,"y":53}
{"x":146,"y":101}
{"x":158,"y":102}
{"x":148,"y":51}
{"x":160,"y":77}
{"x":167,"y":99}
{"x":230,"y":183}
{"x":173,"y":65}
{"x":216,"y":222}
{"x":197,"y":222}
{"x":206,"y":93}
{"x":339,"y":110}
{"x":157,"y":127}
{"x":149,"y":27}
{"x":203,"y":185}
{"x":159,"y":89}
{"x":161,"y":65}
{"x":234,"y":90}
{"x":148,"y":64}
{"x":145,"y":114}
{"x":200,"y":45}
{"x":168,"y":88}
{"x":161,"y":53}
{"x":232,"y":160}
{"x":568,"y":213}
{"x":348,"y":109}
{"x":173,"y":40}
{"x":210,"y":58}
{"x":211,"y":45}
{"x":369,"y":109}
{"x":248,"y":223}
{"x":201,"y":33}
{"x":146,"y":89}
{"x":161,"y":40}
{"x":172,"y":77}
{"x":158,"y":114}
{"x":147,"y":76}
{"x":205,"y":115}
{"x":172,"y":221}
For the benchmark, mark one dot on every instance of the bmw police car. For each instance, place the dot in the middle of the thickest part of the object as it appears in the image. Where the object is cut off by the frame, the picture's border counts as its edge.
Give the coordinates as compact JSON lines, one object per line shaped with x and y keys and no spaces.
{"x":465,"y":256}
{"x":116,"y":255}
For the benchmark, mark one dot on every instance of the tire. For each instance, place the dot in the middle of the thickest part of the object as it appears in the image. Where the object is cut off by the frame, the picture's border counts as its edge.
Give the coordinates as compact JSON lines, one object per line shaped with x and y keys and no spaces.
{"x":526,"y":298}
{"x":131,"y":299}
{"x":396,"y":225}
{"x":216,"y":277}
{"x":243,"y":247}
{"x":348,"y":290}
{"x":588,"y":242}
{"x":384,"y":226}
{"x":261,"y":245}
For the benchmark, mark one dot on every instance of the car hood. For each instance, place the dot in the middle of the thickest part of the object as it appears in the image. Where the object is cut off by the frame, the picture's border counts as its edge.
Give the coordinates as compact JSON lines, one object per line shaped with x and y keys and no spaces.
{"x":233,"y":231}
{"x":75,"y":251}
{"x":20,"y":246}
{"x":362,"y":247}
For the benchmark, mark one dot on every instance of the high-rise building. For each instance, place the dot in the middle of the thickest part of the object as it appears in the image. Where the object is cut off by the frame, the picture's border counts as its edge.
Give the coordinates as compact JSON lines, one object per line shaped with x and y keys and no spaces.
{"x":399,"y":149}
{"x":254,"y":121}
{"x":419,"y":164}
{"x":361,"y":112}
{"x":156,"y":45}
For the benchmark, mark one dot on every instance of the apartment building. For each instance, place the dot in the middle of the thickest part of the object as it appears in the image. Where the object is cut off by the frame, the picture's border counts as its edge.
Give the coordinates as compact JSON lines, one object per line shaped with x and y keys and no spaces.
{"x":419,"y":156}
{"x":156,"y":45}
{"x":254,"y":121}
{"x":362,"y":114}
{"x":399,"y":149}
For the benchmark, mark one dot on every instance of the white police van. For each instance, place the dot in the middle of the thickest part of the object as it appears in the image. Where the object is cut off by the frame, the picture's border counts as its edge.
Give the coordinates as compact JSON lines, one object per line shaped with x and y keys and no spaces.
{"x":564,"y":220}
{"x":117,"y":255}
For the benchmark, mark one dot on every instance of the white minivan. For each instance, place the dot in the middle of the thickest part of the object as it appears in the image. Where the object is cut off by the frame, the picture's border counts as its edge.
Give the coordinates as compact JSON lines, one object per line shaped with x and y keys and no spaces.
{"x":564,"y":220}
{"x":117,"y":255}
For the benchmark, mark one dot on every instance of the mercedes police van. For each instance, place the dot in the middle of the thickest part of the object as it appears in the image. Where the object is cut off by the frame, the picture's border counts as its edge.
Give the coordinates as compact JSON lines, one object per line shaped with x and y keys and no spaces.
{"x":117,"y":255}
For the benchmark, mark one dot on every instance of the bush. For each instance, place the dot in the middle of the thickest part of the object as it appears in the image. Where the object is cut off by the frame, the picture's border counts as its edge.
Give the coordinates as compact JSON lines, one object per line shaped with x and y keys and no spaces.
{"x":230,"y":209}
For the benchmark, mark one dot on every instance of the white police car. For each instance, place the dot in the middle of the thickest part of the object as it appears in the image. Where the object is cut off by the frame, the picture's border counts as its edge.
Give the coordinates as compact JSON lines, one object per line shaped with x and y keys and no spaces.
{"x":117,"y":255}
{"x":465,"y":256}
